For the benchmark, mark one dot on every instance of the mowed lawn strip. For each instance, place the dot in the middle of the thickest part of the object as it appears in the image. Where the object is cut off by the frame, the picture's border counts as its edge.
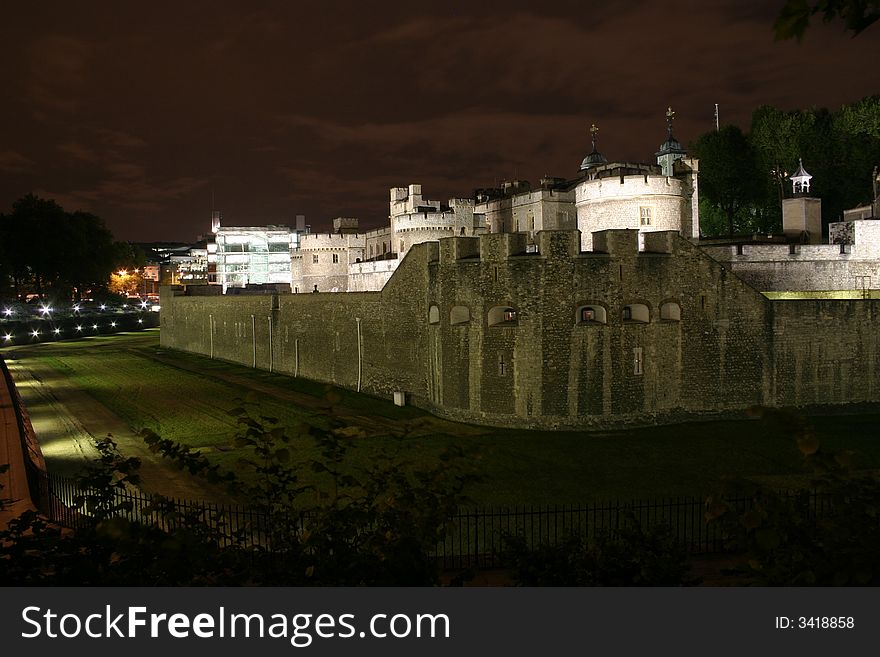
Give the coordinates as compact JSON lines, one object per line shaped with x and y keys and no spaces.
{"x":185,"y":398}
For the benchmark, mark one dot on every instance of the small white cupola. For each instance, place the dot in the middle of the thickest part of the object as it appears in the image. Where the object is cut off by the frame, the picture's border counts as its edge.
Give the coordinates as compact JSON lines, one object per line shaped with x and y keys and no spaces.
{"x":801,"y":180}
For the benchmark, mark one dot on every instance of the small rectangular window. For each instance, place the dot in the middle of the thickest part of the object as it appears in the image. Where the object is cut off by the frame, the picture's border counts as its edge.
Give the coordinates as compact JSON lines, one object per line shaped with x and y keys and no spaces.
{"x":500,"y":365}
{"x":645,"y":218}
{"x":588,"y":315}
{"x":510,"y":316}
{"x":637,"y":360}
{"x":335,"y":258}
{"x":315,"y":259}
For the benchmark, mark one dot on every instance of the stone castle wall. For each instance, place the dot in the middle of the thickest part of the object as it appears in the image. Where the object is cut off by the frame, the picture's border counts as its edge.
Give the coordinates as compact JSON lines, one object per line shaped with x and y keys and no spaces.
{"x":530,"y":212}
{"x":370,"y":276}
{"x":431,"y":333}
{"x":324,"y":259}
{"x":615,"y":202}
{"x":852,"y":264}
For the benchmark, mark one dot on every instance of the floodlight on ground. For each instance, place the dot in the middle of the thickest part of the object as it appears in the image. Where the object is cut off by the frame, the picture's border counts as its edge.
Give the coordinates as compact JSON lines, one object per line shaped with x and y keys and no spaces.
{"x":76,"y":308}
{"x":95,"y":326}
{"x":103,"y":307}
{"x":113,"y":324}
{"x":57,"y":331}
{"x":79,"y":328}
{"x":140,"y":321}
{"x":35,"y":333}
{"x":7,"y":337}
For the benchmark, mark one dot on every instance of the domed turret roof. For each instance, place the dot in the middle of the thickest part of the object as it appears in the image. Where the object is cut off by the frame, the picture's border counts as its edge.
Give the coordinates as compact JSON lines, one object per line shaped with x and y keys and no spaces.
{"x":595,"y":158}
{"x":671,"y":145}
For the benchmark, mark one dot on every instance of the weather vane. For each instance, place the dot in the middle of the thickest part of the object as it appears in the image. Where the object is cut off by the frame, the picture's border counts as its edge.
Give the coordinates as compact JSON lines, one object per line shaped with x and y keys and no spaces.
{"x":594,"y":135}
{"x":670,"y":115}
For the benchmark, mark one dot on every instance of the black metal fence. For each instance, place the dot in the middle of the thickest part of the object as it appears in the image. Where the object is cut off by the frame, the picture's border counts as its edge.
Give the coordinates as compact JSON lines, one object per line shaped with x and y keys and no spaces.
{"x":474,"y":537}
{"x":478,"y":535}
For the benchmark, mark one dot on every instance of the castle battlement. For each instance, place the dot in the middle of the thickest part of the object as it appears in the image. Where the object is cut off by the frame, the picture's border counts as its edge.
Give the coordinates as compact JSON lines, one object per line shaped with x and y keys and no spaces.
{"x":334,"y":241}
{"x":630,"y":186}
{"x":555,"y":244}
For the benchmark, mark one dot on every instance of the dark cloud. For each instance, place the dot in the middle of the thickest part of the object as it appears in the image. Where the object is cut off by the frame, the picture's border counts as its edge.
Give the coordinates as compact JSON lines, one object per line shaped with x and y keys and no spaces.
{"x":12,"y":162}
{"x":142,"y":113}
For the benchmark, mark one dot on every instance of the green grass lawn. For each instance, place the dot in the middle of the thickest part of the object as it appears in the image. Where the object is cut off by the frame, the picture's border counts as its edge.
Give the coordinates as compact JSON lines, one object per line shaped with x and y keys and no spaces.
{"x":186,"y":398}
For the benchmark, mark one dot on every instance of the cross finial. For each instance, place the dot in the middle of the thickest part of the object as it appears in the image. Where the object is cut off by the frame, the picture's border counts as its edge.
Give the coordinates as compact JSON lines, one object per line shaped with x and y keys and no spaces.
{"x":594,"y":134}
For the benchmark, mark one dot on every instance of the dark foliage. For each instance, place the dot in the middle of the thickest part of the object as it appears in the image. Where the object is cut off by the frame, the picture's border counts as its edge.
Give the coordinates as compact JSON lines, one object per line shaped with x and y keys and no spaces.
{"x":49,"y":251}
{"x":826,"y":534}
{"x":375,"y":527}
{"x":630,"y":556}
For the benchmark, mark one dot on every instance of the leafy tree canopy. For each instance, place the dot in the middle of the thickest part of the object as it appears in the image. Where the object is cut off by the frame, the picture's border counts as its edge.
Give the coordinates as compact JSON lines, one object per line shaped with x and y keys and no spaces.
{"x":49,"y":250}
{"x":795,"y":15}
{"x":744,"y":177}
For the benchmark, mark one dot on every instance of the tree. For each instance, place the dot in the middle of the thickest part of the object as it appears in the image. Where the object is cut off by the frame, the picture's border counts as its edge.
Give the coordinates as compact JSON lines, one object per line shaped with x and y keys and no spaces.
{"x":794,"y":17}
{"x":34,"y":227}
{"x":728,"y":176}
{"x":840,"y":149}
{"x":49,"y":250}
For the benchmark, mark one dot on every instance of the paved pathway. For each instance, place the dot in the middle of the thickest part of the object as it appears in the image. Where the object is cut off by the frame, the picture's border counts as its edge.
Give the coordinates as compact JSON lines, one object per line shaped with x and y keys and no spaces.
{"x":15,"y":493}
{"x":68,"y":421}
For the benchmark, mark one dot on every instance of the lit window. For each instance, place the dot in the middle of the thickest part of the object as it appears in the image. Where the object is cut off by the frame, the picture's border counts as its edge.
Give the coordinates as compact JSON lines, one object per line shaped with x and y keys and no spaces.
{"x":645,"y":218}
{"x":592,"y":314}
{"x":500,"y":315}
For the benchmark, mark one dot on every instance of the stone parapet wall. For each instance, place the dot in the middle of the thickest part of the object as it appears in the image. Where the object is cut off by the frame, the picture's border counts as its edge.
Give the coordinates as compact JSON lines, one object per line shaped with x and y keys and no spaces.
{"x":477,"y":330}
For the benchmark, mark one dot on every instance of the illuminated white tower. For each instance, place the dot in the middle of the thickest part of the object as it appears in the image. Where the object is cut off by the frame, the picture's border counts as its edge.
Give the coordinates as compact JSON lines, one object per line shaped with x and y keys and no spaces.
{"x":802,"y":213}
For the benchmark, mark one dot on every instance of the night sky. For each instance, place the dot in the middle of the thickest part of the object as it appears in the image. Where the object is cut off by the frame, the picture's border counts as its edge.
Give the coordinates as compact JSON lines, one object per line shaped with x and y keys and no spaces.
{"x":137,"y":111}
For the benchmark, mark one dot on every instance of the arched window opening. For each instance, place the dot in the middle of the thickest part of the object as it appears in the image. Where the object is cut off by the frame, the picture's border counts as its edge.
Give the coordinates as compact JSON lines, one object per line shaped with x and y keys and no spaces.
{"x":670,"y":311}
{"x":502,"y":315}
{"x":636,"y":312}
{"x":459,"y":315}
{"x":433,"y":315}
{"x":594,"y":314}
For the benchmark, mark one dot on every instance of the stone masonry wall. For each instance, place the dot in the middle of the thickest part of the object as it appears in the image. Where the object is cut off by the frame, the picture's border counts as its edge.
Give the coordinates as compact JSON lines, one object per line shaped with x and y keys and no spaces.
{"x":428,"y":333}
{"x":615,"y":202}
